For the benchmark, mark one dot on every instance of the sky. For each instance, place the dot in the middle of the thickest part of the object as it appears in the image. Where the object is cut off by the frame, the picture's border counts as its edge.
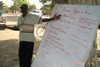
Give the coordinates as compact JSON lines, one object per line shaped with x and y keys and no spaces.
{"x":34,"y":2}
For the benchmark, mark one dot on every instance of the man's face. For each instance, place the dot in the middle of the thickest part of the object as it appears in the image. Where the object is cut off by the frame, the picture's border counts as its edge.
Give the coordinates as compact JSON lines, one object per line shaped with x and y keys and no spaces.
{"x":24,"y":10}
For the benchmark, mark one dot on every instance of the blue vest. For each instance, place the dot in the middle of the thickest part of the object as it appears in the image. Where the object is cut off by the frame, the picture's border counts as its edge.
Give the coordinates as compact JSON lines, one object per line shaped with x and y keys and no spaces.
{"x":1,"y":12}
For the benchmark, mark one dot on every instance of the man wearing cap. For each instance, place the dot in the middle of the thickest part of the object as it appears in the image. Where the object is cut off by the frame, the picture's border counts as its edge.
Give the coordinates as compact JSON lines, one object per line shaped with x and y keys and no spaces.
{"x":26,"y":26}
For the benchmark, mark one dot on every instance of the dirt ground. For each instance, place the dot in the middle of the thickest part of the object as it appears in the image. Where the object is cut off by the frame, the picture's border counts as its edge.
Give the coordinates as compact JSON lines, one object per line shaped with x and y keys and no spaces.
{"x":9,"y":40}
{"x":9,"y":48}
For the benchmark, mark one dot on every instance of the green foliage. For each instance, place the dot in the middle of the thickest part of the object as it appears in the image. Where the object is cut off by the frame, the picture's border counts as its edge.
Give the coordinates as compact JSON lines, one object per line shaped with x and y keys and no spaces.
{"x":46,"y":9}
{"x":32,"y":7}
{"x":32,"y":59}
{"x":6,"y":8}
{"x":12,"y":8}
{"x":98,"y":53}
{"x":1,"y":5}
{"x":18,"y":3}
{"x":45,"y":1}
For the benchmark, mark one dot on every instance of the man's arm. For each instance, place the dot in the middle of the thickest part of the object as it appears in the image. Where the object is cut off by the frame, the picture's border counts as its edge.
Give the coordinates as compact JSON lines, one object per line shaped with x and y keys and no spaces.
{"x":56,"y":17}
{"x":46,"y":20}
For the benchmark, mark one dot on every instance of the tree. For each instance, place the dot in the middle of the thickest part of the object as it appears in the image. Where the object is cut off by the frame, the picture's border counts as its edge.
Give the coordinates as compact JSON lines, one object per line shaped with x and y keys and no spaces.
{"x":84,"y":2}
{"x":20,"y":2}
{"x":12,"y":8}
{"x":46,"y":9}
{"x":44,"y":1}
{"x":1,"y":5}
{"x":32,"y":7}
{"x":6,"y":8}
{"x":17,"y":4}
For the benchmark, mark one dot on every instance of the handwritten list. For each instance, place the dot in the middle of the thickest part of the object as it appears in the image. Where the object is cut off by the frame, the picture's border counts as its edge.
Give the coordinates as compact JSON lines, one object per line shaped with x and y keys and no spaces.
{"x":67,"y":41}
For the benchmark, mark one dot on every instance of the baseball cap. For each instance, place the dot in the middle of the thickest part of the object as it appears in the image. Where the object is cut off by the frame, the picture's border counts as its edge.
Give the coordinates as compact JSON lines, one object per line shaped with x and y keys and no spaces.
{"x":24,"y":6}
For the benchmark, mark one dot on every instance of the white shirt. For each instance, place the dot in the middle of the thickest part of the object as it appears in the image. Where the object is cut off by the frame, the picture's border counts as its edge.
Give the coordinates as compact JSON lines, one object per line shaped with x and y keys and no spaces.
{"x":26,"y":26}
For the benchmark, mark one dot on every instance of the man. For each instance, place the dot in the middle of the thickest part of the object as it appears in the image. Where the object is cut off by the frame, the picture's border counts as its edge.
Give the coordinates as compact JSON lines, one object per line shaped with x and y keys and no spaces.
{"x":26,"y":26}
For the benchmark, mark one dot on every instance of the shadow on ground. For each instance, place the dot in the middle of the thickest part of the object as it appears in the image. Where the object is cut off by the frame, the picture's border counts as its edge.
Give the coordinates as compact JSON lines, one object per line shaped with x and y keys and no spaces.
{"x":12,"y":28}
{"x":3,"y":27}
{"x":9,"y":53}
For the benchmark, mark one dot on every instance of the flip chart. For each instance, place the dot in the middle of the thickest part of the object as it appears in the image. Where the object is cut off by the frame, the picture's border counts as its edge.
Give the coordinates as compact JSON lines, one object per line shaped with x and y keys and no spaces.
{"x":68,"y":41}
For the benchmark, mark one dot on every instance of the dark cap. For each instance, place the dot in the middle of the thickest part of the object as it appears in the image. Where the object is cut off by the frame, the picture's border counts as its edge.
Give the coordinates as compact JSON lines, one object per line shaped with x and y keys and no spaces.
{"x":24,"y":6}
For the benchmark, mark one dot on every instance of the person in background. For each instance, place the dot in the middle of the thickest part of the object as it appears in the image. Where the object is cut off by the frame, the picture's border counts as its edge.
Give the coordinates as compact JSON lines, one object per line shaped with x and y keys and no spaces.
{"x":1,"y":12}
{"x":26,"y":26}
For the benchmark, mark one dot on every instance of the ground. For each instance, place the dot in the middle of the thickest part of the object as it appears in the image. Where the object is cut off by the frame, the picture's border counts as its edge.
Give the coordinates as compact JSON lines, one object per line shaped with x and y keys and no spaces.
{"x":9,"y":40}
{"x":9,"y":48}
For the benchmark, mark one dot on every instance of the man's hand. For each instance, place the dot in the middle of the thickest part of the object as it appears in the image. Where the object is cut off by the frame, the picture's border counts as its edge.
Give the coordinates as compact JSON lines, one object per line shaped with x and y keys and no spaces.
{"x":56,"y":17}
